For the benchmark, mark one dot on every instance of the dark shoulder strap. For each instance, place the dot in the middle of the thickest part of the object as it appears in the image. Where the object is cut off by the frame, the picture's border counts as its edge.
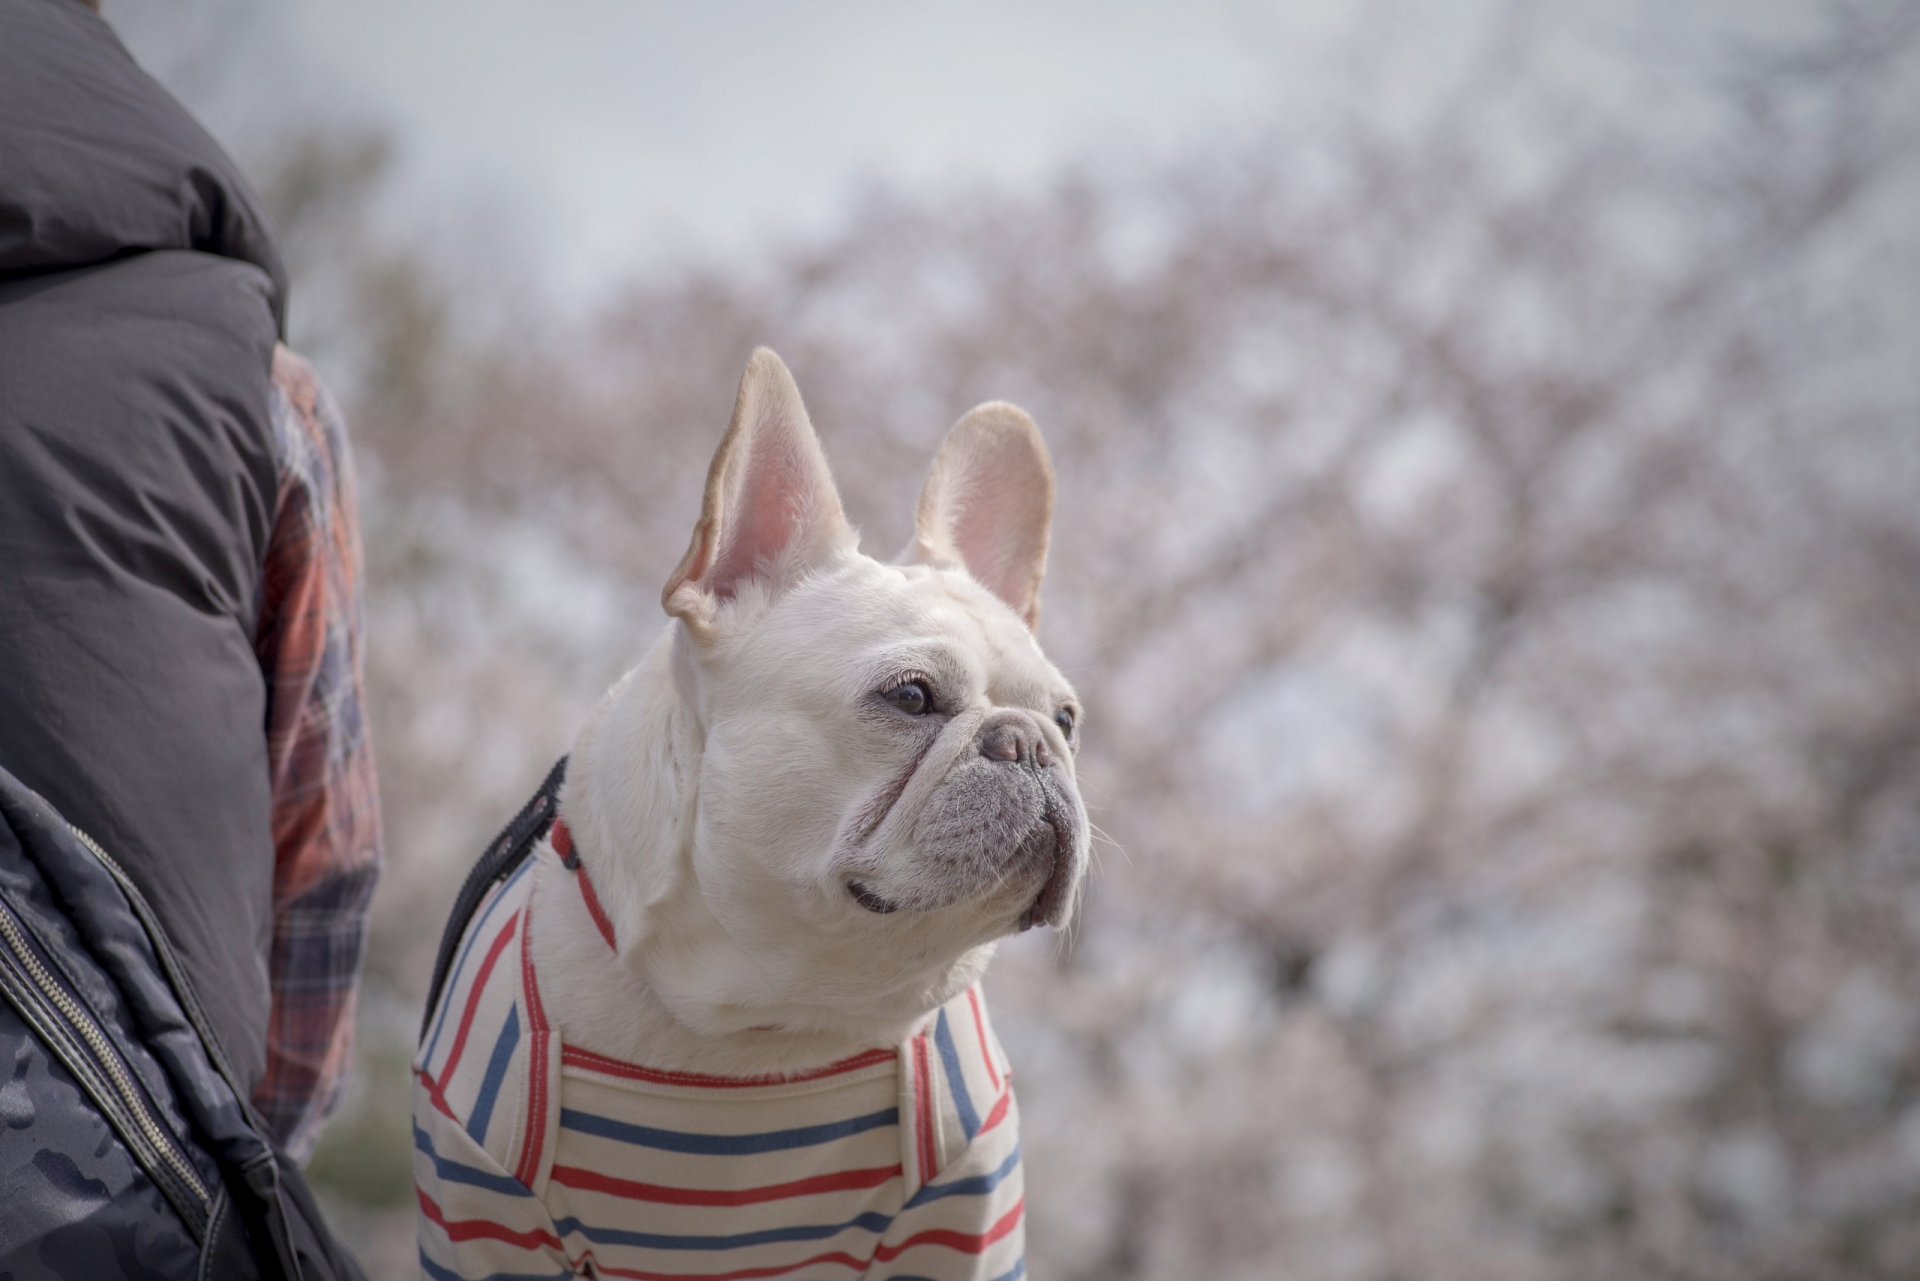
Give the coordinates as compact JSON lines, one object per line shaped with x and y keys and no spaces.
{"x":508,"y":851}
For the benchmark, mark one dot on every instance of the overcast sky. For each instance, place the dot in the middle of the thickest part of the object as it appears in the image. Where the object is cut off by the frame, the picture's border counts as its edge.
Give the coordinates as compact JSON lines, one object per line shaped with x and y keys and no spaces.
{"x":601,"y":135}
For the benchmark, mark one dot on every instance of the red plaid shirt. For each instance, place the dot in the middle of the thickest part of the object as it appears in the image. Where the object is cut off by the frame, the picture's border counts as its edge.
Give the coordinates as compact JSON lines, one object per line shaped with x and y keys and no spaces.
{"x":326,"y":803}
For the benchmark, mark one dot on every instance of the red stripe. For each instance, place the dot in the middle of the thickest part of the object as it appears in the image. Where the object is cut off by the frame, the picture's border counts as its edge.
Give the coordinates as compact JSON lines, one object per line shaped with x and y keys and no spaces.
{"x":996,"y":1116}
{"x":923,"y":1109}
{"x":594,"y":909}
{"x":980,"y":1026}
{"x":562,"y":839}
{"x":439,"y":1100}
{"x":573,"y":1056}
{"x":743,"y":1274}
{"x":529,"y":1166}
{"x":845,"y":1180}
{"x":473,"y":996}
{"x":486,"y":1229}
{"x":964,"y":1242}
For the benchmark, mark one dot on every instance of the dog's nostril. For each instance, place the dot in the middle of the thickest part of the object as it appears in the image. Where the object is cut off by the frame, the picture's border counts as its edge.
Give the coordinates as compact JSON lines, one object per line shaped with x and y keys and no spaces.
{"x":1016,"y":742}
{"x":1003,"y":742}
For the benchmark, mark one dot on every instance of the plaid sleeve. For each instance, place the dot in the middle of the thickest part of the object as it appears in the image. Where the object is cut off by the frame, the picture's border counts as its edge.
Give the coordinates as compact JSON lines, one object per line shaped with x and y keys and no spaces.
{"x":326,"y":805}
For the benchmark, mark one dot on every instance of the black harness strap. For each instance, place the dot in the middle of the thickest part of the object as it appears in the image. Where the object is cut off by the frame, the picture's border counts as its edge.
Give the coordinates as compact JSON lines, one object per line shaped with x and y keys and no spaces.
{"x":508,"y":851}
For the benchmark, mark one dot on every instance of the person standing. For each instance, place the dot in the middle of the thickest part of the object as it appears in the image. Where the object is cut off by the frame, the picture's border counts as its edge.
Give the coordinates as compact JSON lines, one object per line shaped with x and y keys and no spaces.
{"x":181,"y":655}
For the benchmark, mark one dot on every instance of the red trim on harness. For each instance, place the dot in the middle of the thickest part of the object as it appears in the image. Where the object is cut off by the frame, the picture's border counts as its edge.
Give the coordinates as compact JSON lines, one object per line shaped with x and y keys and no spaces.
{"x":563,"y":846}
{"x":923,"y":1109}
{"x":587,"y":1060}
{"x":536,"y":1135}
{"x":568,"y":1176}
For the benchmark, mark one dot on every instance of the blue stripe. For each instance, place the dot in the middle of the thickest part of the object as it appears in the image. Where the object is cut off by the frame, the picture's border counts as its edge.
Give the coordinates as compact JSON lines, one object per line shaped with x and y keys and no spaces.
{"x":474,"y":932}
{"x":978,"y":1185}
{"x":956,"y":1079}
{"x":869,"y":1222}
{"x":439,"y":1273}
{"x":454,"y":1172}
{"x":724,"y":1144}
{"x":496,"y":1072}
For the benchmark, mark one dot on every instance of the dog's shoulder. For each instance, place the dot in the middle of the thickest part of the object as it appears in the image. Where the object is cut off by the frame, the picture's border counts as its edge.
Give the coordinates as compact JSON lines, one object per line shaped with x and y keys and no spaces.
{"x":488,"y":1041}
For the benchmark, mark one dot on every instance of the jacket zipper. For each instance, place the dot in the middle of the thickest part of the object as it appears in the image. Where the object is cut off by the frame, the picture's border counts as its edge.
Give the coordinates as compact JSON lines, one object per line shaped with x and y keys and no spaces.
{"x":84,"y":1047}
{"x":261,"y":1171}
{"x":176,"y":975}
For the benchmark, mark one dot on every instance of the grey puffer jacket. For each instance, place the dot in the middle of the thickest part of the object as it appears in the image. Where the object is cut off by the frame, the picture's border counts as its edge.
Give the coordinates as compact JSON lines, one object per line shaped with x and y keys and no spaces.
{"x":140,"y":300}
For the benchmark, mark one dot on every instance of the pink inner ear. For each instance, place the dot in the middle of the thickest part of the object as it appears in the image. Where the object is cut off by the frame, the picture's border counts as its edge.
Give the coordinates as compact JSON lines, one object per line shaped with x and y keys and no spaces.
{"x":999,"y":524}
{"x":767,"y":514}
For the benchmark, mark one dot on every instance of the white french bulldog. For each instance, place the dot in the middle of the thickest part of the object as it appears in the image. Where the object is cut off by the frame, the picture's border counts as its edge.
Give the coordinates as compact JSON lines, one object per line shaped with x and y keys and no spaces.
{"x":832,"y":783}
{"x":801,"y":824}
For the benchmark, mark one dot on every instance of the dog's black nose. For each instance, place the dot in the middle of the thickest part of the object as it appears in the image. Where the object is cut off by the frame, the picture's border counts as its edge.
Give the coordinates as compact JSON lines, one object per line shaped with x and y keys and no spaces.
{"x":1015,"y":739}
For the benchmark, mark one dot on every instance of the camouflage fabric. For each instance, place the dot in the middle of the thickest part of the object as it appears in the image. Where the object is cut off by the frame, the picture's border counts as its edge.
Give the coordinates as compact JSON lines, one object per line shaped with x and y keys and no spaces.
{"x":74,"y":1204}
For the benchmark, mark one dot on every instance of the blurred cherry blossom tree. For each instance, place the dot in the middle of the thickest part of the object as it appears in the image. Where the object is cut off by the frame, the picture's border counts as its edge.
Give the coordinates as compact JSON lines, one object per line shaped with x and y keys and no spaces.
{"x":1489,"y":549}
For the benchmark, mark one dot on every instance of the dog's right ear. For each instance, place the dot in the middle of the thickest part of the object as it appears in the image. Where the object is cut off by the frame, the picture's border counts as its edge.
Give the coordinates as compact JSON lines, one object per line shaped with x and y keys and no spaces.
{"x":987,"y":506}
{"x":770,"y":511}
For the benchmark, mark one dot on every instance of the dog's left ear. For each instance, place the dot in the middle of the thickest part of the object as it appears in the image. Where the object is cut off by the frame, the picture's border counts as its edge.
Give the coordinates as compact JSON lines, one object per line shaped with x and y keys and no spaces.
{"x":988,"y":505}
{"x":770,"y":512}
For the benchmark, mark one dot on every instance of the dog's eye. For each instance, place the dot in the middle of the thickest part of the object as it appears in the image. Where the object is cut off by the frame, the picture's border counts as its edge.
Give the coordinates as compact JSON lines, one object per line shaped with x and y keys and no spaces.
{"x":913,"y":698}
{"x":1064,"y":719}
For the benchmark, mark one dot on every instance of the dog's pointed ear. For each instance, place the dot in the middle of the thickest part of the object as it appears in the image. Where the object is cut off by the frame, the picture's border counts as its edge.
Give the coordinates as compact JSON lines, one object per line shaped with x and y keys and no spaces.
{"x":988,"y":505}
{"x":770,"y":510}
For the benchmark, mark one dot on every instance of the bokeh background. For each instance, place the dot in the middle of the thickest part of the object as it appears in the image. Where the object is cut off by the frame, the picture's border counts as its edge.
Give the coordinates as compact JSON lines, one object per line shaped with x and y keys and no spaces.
{"x":1488,"y":548}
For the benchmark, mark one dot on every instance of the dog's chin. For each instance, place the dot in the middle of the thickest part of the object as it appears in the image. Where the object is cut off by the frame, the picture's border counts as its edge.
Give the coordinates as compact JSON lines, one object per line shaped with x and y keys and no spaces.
{"x":1034,"y":886}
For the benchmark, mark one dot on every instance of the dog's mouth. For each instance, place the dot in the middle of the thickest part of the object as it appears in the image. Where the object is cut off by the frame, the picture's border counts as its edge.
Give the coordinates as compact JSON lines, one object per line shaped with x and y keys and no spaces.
{"x":1049,"y":844}
{"x":1046,"y":846}
{"x":868,"y":899}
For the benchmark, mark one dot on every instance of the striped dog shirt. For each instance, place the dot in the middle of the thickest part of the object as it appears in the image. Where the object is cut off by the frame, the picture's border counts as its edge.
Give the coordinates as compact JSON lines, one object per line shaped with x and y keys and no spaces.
{"x":537,"y":1159}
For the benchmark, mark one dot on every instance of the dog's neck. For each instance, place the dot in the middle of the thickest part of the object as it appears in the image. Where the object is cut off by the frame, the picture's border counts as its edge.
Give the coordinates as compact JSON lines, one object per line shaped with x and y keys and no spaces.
{"x":598,"y":1003}
{"x":679,"y":994}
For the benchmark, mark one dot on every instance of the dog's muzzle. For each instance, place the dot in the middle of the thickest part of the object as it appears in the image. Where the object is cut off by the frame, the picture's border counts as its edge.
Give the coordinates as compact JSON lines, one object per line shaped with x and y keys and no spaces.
{"x":1003,"y":821}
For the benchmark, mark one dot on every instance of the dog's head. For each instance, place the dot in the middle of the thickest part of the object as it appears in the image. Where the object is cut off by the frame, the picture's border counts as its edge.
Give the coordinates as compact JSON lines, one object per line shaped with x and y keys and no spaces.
{"x":885,"y":774}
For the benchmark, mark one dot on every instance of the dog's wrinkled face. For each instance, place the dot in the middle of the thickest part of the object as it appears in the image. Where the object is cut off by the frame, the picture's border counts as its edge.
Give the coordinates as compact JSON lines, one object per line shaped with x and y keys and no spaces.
{"x":887,"y":772}
{"x":889,"y":742}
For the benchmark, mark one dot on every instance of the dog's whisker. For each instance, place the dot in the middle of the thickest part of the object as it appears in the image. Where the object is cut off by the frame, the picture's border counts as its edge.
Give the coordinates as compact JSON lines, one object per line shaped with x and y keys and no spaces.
{"x":1102,"y":837}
